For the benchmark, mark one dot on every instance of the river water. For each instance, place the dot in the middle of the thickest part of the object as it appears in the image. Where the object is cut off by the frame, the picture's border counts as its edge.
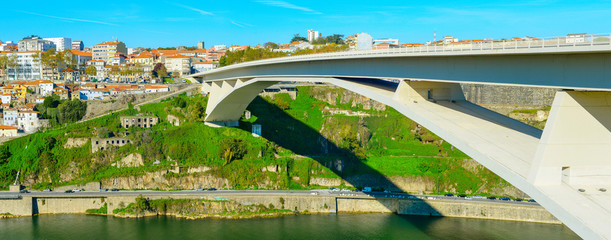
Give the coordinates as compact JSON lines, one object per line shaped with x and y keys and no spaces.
{"x":337,"y":227}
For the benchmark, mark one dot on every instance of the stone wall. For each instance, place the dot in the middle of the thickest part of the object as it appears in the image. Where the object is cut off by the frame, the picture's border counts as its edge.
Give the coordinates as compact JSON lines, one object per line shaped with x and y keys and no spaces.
{"x":448,"y":208}
{"x":103,"y":143}
{"x":27,"y":206}
{"x":508,"y":95}
{"x":53,"y":205}
{"x":139,"y":121}
{"x":16,"y":206}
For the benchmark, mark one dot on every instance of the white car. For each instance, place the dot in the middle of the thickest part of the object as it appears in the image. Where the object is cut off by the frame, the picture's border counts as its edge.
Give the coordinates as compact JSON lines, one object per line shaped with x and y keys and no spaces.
{"x":76,"y":190}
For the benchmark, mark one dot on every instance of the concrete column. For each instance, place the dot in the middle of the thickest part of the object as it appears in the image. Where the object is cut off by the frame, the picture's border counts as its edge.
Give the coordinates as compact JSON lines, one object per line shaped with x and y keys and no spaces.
{"x":431,"y":91}
{"x":229,"y":100}
{"x":217,"y":90}
{"x":575,"y":147}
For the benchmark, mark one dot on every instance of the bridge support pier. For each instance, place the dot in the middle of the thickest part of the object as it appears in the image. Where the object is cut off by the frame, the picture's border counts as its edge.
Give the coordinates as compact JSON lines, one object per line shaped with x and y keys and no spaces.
{"x":234,"y":95}
{"x":409,"y":91}
{"x":575,"y":147}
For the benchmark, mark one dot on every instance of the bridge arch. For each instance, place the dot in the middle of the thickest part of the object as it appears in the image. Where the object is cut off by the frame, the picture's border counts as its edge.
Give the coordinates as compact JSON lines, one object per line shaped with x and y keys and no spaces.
{"x":564,"y":167}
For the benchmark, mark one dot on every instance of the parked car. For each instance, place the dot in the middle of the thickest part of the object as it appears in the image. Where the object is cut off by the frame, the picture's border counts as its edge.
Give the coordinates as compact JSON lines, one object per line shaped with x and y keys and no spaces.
{"x":211,"y":189}
{"x":462,"y":195}
{"x":69,"y":191}
{"x":24,"y":191}
{"x":449,"y":195}
{"x":199,"y":189}
{"x":518,"y":200}
{"x":76,"y":190}
{"x":103,"y":190}
{"x":492,"y":198}
{"x":114,"y":190}
{"x":47,"y":190}
{"x":532,"y":200}
{"x":505,"y":199}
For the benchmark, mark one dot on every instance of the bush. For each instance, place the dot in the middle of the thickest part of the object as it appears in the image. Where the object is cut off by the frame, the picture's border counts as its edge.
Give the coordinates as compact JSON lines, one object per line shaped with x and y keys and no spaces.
{"x":232,"y":149}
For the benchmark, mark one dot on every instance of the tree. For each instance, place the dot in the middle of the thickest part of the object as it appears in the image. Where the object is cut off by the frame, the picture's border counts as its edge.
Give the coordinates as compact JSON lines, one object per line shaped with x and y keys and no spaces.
{"x":4,"y":65}
{"x":271,"y":45}
{"x":71,"y":111}
{"x":232,"y":149}
{"x":4,"y":154}
{"x":91,"y":71}
{"x":7,"y":62}
{"x":198,"y":112}
{"x":335,"y":38}
{"x":297,"y":38}
{"x":160,"y":71}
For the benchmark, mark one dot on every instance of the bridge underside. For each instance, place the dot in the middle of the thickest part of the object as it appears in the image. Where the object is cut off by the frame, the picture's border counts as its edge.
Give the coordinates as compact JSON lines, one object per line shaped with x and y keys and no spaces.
{"x":565,"y":167}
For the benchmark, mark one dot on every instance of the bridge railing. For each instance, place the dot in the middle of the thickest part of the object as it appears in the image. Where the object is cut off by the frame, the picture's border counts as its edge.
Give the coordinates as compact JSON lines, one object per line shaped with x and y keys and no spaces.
{"x":582,"y":41}
{"x":516,"y":43}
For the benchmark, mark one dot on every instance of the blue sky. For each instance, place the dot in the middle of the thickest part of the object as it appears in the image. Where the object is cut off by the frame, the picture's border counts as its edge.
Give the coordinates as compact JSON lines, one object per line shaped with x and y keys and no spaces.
{"x":249,"y":22}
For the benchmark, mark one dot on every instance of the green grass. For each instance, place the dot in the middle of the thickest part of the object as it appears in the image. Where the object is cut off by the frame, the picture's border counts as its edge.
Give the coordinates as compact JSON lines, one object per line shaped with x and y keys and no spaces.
{"x":101,"y":210}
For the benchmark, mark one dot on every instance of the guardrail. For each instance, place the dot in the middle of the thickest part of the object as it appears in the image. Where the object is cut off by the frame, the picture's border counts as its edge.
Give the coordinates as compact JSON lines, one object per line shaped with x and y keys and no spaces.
{"x":587,"y":40}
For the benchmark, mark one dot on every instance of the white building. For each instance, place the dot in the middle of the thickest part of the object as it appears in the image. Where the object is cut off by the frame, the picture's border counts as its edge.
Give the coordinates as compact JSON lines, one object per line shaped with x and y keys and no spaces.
{"x":156,"y":89}
{"x":10,"y":117}
{"x":203,"y":66}
{"x":46,"y":87}
{"x":27,"y":68}
{"x":94,"y":94}
{"x":34,"y":43}
{"x":100,"y":67}
{"x":78,"y":45}
{"x":576,"y":38}
{"x":178,"y":64}
{"x":313,"y":35}
{"x":6,"y":98}
{"x":28,"y":121}
{"x":219,"y":47}
{"x":4,"y":46}
{"x":8,"y":131}
{"x":386,"y":40}
{"x":449,"y":40}
{"x":61,"y":43}
{"x":363,"y":41}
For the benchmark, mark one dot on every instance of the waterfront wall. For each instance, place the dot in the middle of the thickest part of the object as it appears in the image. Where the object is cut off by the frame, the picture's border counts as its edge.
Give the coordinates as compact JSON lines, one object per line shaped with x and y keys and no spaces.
{"x":26,"y":206}
{"x":66,"y":204}
{"x":16,"y":206}
{"x":448,"y":208}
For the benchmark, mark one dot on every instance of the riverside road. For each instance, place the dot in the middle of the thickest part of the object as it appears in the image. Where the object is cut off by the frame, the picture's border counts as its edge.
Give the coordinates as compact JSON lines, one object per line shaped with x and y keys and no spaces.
{"x":178,"y":194}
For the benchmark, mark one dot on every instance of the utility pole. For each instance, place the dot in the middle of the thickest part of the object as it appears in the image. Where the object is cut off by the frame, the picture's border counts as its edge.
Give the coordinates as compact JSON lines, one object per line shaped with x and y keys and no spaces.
{"x":17,"y":178}
{"x":435,"y":36}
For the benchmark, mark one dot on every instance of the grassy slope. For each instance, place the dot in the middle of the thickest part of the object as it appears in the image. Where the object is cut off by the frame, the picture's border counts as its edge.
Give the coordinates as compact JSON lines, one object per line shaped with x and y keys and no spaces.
{"x":388,"y":146}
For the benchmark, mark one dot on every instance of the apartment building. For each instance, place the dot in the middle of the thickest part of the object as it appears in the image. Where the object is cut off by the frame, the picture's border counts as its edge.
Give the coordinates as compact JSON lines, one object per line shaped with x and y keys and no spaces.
{"x":61,"y":43}
{"x":180,"y":64}
{"x":78,"y":45}
{"x":34,"y":43}
{"x":28,"y":68}
{"x":106,"y":51}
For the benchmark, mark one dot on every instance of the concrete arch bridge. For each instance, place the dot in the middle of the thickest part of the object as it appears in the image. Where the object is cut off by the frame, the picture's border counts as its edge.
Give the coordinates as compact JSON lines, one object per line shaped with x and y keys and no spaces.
{"x":566,"y":167}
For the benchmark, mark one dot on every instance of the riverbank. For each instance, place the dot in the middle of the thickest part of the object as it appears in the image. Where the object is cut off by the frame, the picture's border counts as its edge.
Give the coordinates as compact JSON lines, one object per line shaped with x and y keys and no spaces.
{"x":250,"y":204}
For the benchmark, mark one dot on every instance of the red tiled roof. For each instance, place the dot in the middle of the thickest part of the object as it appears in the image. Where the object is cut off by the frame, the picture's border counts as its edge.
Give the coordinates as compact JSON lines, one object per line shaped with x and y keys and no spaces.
{"x":6,"y":127}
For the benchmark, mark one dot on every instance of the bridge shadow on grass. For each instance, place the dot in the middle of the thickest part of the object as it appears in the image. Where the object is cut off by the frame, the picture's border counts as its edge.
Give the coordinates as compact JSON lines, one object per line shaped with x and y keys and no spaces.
{"x":465,"y":107}
{"x":290,"y":133}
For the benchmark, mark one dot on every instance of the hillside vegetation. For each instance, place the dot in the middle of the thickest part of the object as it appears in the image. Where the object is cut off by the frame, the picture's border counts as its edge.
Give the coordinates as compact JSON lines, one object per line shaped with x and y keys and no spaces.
{"x":324,"y":137}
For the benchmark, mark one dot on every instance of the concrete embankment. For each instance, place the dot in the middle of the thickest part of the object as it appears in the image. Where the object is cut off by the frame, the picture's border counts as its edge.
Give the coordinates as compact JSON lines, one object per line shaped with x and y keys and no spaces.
{"x":324,"y":203}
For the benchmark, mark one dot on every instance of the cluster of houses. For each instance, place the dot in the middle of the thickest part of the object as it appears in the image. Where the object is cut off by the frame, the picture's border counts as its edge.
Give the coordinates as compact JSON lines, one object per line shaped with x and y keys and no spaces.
{"x":112,"y":61}
{"x":93,"y":91}
{"x":18,"y":99}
